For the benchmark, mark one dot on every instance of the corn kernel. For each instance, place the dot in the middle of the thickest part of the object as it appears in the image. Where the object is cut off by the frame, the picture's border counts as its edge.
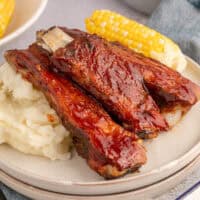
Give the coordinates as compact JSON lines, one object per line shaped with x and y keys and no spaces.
{"x":6,"y":10}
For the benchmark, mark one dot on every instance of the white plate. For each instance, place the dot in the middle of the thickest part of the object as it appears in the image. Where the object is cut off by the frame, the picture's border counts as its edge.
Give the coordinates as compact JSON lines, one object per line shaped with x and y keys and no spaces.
{"x":148,"y":192}
{"x":25,"y":14}
{"x":167,"y":154}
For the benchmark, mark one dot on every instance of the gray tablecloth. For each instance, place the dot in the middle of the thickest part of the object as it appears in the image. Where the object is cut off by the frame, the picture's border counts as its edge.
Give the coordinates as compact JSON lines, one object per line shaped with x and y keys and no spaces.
{"x":179,"y":20}
{"x":72,"y":13}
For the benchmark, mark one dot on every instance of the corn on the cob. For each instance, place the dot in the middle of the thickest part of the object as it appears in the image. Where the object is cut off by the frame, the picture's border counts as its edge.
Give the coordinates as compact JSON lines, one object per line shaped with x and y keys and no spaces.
{"x":6,"y":10}
{"x":115,"y":27}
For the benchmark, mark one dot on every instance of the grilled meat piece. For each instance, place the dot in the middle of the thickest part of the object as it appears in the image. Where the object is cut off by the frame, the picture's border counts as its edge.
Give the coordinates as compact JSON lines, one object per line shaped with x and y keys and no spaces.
{"x":101,"y":68}
{"x":121,"y":79}
{"x":108,"y":148}
{"x":165,"y":83}
{"x":173,"y":93}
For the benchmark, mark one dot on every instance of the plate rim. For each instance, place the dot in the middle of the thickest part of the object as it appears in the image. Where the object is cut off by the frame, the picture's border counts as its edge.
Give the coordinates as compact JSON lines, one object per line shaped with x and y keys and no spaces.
{"x":180,"y":175}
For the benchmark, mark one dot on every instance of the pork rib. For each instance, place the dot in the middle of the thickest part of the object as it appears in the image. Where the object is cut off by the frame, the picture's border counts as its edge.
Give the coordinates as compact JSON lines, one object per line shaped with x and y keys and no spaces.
{"x":172,"y":92}
{"x":99,"y":67}
{"x":163,"y":81}
{"x":122,"y":79}
{"x":108,"y":148}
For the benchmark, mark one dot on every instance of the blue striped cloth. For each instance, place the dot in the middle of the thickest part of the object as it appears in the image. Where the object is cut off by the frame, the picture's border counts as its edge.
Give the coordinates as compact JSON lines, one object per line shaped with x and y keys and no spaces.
{"x":179,"y":20}
{"x":9,"y":194}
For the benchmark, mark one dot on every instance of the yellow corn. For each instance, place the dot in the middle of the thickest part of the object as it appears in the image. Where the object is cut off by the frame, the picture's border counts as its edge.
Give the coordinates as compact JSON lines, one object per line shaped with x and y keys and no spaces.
{"x":140,"y":38}
{"x":6,"y":11}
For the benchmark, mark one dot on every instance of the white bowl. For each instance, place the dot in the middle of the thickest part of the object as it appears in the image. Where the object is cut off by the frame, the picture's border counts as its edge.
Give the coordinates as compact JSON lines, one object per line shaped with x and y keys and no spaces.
{"x":25,"y":14}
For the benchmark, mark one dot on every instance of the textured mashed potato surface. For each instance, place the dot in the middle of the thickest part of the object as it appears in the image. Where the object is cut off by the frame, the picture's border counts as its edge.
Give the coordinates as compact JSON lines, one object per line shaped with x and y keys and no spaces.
{"x":27,"y":122}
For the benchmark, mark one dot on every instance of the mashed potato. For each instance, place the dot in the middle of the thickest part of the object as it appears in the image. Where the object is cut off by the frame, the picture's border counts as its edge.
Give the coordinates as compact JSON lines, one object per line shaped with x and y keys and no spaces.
{"x":27,"y":122}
